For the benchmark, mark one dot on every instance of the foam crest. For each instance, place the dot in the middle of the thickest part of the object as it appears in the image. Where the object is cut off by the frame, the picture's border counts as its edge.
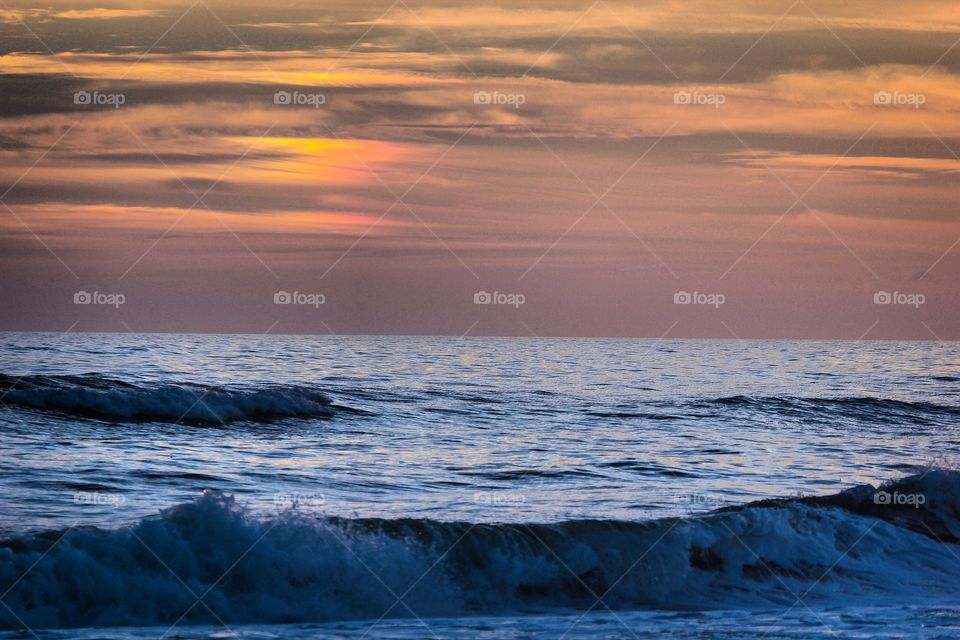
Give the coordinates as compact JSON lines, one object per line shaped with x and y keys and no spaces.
{"x":294,"y":567}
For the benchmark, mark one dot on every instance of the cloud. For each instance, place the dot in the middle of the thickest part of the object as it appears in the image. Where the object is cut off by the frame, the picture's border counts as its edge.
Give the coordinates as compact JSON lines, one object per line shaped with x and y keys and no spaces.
{"x":101,"y":14}
{"x":699,"y":124}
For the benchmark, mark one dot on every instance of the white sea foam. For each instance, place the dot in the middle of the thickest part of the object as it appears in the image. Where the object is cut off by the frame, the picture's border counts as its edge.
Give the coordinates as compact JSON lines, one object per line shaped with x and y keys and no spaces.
{"x":294,"y":568}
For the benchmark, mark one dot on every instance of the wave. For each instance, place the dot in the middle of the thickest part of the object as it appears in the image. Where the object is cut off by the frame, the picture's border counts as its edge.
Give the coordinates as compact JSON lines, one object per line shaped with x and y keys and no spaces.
{"x":297,"y":567}
{"x":96,"y":396}
{"x":859,"y":407}
{"x":101,"y":397}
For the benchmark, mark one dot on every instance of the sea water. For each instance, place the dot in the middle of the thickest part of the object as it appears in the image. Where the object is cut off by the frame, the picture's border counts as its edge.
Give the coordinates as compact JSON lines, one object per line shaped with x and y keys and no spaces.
{"x":299,"y":486}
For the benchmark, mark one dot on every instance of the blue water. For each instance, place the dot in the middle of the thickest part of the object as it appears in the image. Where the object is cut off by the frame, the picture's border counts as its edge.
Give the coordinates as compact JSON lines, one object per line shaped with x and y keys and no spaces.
{"x":477,"y":487}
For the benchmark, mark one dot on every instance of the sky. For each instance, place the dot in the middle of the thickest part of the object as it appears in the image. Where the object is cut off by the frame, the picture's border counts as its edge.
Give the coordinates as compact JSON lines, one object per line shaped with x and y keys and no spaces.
{"x":666,"y":169}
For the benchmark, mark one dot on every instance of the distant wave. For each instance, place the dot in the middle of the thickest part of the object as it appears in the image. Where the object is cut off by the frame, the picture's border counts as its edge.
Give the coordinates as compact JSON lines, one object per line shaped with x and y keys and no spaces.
{"x":297,"y":568}
{"x":863,"y":407}
{"x":102,"y":397}
{"x":96,"y":396}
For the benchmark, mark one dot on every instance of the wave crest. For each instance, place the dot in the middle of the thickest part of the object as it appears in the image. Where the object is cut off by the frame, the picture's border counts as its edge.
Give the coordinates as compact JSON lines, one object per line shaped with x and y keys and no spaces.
{"x":298,"y":568}
{"x":95,"y":396}
{"x":860,"y":407}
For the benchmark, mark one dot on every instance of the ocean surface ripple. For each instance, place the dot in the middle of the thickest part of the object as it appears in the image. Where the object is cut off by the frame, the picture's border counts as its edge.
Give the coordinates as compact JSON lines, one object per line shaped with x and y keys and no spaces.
{"x":295,"y":486}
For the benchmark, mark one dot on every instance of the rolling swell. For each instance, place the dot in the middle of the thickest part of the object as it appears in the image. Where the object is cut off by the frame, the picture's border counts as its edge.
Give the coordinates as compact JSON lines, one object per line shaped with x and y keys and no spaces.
{"x":300,"y":568}
{"x":105,"y":398}
{"x":96,"y":396}
{"x":864,"y":408}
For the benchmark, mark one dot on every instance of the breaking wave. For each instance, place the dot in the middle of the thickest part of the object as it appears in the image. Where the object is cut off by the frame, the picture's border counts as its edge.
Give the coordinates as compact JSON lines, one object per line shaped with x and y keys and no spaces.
{"x":297,"y":567}
{"x":95,"y":396}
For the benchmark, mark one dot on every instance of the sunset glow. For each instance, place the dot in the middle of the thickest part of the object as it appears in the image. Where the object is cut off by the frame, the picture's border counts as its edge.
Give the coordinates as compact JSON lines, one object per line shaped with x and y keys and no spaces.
{"x":597,"y":158}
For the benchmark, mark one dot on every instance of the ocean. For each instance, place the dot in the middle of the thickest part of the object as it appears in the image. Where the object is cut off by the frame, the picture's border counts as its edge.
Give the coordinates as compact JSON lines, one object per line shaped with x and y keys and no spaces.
{"x":213,"y":486}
